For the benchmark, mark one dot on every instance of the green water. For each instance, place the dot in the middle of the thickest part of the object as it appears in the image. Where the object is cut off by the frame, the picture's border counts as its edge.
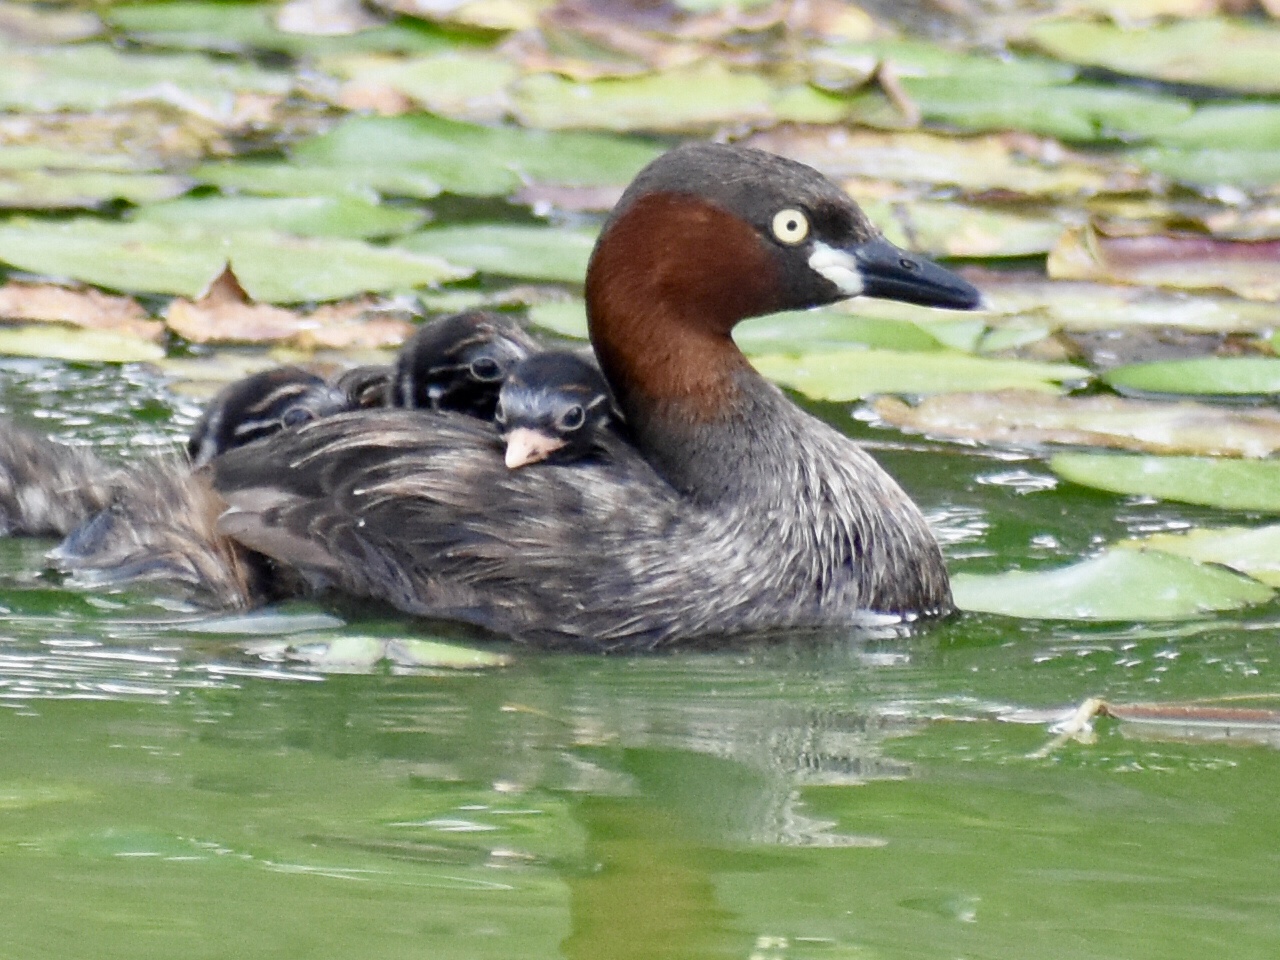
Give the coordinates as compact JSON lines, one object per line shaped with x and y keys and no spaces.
{"x":164,"y":793}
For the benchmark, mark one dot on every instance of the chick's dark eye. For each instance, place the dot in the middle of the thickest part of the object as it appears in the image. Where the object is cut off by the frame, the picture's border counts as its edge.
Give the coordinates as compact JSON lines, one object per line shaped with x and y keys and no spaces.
{"x":296,"y":416}
{"x":572,"y":418}
{"x":486,"y":369}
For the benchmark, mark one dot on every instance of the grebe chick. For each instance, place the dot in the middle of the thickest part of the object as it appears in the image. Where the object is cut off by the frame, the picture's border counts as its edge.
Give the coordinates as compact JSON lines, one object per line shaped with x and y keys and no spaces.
{"x":259,"y":405}
{"x":552,"y":407}
{"x":459,"y":363}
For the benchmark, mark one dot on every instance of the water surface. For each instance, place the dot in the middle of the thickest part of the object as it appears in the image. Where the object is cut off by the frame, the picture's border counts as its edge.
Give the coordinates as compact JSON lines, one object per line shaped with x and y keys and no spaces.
{"x":166,"y":792}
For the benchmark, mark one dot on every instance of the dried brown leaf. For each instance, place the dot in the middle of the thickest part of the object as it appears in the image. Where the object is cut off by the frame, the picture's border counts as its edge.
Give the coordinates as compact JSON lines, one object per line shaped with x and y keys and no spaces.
{"x":87,"y":308}
{"x":1185,"y":262}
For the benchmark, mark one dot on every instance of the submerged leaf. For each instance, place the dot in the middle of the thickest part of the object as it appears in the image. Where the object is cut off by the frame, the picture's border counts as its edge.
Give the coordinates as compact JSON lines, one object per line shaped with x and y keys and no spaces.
{"x":1115,"y":585}
{"x":1229,"y":484}
{"x":1024,"y":418}
{"x":853,"y":374}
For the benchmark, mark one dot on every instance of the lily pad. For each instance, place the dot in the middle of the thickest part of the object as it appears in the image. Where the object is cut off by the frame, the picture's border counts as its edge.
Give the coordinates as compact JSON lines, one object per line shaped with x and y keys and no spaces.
{"x":459,"y":84}
{"x":1254,"y":552}
{"x":1028,"y":418}
{"x":1215,"y":52}
{"x":974,"y":164}
{"x":1207,"y":167}
{"x":567,"y":318}
{"x":1182,"y":262}
{"x":1223,"y":376}
{"x":808,"y":330}
{"x":95,"y":76}
{"x":1115,"y":585}
{"x":852,"y":374}
{"x":916,"y":59}
{"x":419,"y":156}
{"x":304,"y":216}
{"x":79,"y":189}
{"x":1079,"y":112}
{"x":536,"y":253}
{"x":236,"y":27}
{"x":76,"y":344}
{"x":1229,"y":484}
{"x":1237,"y":126}
{"x":273,"y":267}
{"x":949,"y":229}
{"x":696,"y":98}
{"x":1082,"y":306}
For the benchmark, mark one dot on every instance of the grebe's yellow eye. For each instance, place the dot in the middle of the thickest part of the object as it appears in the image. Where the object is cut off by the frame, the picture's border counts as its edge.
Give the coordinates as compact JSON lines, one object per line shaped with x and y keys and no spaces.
{"x":790,"y":226}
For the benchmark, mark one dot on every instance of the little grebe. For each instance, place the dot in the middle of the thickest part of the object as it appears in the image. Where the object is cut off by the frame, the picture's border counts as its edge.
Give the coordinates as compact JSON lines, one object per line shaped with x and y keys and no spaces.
{"x":733,"y":511}
{"x":552,"y":407}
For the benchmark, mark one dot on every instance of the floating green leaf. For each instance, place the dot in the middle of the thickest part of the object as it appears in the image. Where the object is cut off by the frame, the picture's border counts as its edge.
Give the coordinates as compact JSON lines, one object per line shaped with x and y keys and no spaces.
{"x":1083,"y":112}
{"x":918,"y":59}
{"x":234,"y":27}
{"x":696,"y":98}
{"x":419,"y":156}
{"x":1230,"y":484}
{"x":1236,"y":126}
{"x":458,"y":83}
{"x":1115,"y":585}
{"x":1254,"y":552}
{"x":852,"y":374}
{"x":974,"y":164}
{"x":95,"y":76}
{"x":808,"y":330}
{"x":568,"y":318}
{"x":1249,"y":169}
{"x":951,"y":229}
{"x":59,"y":342}
{"x":1213,"y":52}
{"x":68,"y":190}
{"x":320,"y":216}
{"x":273,"y":267}
{"x":466,"y":158}
{"x":536,"y":253}
{"x":1223,"y":376}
